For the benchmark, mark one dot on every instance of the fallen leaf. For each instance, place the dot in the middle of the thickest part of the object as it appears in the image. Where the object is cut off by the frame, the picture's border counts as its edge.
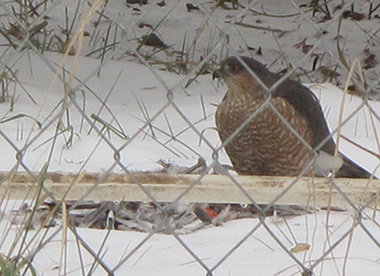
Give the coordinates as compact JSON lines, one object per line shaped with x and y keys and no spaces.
{"x":300,"y":247}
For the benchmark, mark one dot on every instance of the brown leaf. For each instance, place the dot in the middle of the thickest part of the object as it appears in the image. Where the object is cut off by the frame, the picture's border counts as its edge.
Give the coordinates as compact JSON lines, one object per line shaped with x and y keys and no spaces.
{"x":357,"y":16}
{"x":300,"y":247}
{"x":370,"y":61}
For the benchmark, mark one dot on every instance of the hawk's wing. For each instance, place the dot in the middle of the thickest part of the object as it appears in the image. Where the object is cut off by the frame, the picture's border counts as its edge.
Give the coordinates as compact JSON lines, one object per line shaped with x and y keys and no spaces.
{"x":305,"y":102}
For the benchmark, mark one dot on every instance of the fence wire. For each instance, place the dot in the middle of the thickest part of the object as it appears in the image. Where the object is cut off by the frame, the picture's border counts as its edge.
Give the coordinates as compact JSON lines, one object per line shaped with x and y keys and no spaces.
{"x":124,"y":87}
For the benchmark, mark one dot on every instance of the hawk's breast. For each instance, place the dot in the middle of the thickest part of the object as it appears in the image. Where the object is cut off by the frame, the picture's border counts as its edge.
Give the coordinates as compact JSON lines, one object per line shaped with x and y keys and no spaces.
{"x":266,"y":144}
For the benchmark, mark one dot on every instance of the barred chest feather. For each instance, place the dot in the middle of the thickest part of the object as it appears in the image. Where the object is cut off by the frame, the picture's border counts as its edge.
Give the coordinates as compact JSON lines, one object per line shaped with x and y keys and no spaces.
{"x":265,"y":145}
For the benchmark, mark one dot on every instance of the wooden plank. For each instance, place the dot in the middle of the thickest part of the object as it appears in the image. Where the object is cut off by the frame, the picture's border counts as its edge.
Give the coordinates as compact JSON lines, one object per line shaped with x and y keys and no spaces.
{"x":210,"y":188}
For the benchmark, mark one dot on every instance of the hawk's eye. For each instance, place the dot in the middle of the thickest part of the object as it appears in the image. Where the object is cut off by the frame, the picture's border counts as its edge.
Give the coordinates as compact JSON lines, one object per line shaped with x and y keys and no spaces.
{"x":233,"y":68}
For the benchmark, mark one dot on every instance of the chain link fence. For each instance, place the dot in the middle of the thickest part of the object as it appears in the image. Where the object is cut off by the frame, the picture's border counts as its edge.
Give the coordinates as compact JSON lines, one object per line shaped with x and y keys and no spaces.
{"x":107,"y":122}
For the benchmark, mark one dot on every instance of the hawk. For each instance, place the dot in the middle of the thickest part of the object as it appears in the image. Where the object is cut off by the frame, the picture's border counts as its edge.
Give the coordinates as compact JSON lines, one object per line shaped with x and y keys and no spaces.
{"x":272,"y":127}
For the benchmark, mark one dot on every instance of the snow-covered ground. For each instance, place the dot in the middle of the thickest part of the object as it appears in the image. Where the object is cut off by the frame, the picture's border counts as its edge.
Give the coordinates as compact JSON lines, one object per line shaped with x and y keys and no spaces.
{"x":134,"y":96}
{"x":128,"y":94}
{"x":136,"y":253}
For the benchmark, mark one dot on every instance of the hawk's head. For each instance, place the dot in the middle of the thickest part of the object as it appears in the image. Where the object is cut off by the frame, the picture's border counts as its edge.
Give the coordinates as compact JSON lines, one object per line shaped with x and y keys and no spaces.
{"x":244,"y":75}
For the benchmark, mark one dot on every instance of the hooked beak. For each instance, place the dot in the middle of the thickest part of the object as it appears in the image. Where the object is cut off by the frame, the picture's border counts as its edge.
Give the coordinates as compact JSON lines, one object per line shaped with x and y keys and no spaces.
{"x":218,"y":74}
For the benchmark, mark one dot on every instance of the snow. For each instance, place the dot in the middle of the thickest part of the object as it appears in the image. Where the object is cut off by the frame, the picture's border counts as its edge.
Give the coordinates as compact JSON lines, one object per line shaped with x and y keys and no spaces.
{"x":137,"y":98}
{"x":259,"y":254}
